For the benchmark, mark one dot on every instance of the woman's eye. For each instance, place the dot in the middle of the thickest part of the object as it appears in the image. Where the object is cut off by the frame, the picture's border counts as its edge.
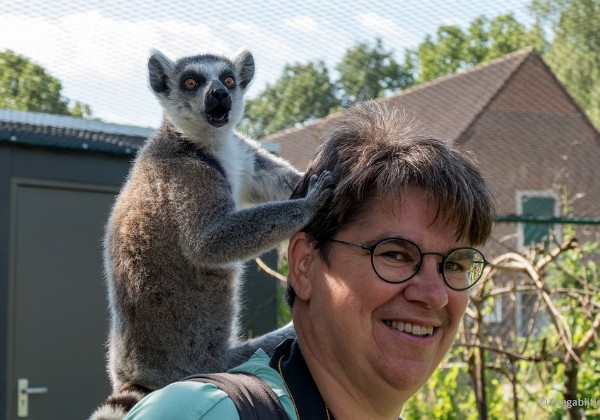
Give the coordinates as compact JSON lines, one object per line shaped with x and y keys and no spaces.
{"x":395,"y":256}
{"x":454,"y":266}
{"x":190,"y":84}
{"x":229,"y":82}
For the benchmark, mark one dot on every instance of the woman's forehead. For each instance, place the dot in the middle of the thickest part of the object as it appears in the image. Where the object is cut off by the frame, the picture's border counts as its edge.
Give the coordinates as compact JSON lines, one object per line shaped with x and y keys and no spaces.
{"x":393,"y":214}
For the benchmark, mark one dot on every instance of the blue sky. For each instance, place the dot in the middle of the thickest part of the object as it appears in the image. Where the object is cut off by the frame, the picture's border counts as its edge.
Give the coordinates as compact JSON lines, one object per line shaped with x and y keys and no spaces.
{"x":99,"y":49}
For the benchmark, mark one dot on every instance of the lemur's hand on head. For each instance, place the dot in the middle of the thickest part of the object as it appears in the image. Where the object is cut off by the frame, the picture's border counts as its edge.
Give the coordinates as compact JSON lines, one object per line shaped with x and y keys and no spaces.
{"x":320,"y":189}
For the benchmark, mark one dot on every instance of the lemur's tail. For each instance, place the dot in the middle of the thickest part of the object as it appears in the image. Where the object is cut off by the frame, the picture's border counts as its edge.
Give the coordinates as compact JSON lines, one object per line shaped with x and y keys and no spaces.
{"x":118,"y":404}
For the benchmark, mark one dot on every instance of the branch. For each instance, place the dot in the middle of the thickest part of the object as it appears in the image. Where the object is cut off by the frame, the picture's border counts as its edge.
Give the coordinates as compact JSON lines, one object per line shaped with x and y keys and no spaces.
{"x":509,"y":354}
{"x":552,"y":255}
{"x":470,"y":313}
{"x":278,"y":276}
{"x":559,"y":321}
{"x":589,"y":336}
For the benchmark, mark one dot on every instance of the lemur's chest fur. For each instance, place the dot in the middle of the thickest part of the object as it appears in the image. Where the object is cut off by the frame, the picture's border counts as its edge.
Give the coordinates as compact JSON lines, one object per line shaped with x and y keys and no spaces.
{"x":237,"y":162}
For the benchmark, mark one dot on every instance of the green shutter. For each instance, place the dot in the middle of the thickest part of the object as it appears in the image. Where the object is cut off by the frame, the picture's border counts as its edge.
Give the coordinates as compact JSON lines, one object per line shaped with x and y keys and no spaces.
{"x":537,"y":206}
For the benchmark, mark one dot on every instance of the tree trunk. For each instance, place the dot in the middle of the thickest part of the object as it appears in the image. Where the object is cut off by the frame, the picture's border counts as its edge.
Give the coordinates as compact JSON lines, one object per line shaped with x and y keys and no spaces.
{"x":570,"y":392}
{"x":513,"y":382}
{"x":480,"y":393}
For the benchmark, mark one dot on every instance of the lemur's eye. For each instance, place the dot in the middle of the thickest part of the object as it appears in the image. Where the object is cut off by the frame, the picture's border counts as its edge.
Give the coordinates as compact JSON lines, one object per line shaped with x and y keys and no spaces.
{"x":229,"y":82}
{"x":190,"y":83}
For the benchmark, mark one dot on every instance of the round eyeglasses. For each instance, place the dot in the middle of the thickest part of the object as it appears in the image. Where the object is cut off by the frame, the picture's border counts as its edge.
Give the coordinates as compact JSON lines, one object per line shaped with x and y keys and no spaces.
{"x":396,"y":260}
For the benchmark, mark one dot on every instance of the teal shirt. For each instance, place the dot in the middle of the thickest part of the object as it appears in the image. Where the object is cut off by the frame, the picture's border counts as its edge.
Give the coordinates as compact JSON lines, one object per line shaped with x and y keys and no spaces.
{"x":191,"y":400}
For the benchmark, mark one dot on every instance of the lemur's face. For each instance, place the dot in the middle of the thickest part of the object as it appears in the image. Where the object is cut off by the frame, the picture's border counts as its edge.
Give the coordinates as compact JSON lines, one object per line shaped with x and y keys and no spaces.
{"x":210,"y":93}
{"x":201,"y":91}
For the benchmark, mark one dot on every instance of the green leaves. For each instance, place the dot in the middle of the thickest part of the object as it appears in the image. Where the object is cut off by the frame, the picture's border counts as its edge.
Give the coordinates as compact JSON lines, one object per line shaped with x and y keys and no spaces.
{"x":454,"y":49}
{"x":574,"y":54}
{"x":367,"y":73}
{"x":303,"y":93}
{"x":26,"y":86}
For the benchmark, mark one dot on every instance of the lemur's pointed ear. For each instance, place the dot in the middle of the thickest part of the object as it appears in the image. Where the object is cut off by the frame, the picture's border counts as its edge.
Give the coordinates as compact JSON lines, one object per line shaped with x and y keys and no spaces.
{"x":244,"y":66}
{"x":160,"y":69}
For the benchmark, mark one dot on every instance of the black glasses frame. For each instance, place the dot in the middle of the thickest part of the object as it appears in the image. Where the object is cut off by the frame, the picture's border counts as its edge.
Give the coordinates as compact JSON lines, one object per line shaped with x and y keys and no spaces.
{"x":441,"y":265}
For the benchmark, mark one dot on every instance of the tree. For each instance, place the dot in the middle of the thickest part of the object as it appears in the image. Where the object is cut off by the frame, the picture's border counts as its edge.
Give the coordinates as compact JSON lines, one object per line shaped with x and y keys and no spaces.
{"x":574,"y":54}
{"x":303,"y":93}
{"x":567,"y":292}
{"x":27,"y":86}
{"x":367,"y":73}
{"x":454,"y":49}
{"x":551,"y":368}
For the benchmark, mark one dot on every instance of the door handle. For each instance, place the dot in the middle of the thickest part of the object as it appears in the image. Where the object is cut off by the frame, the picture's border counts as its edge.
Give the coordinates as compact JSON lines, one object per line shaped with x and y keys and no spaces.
{"x":24,"y":391}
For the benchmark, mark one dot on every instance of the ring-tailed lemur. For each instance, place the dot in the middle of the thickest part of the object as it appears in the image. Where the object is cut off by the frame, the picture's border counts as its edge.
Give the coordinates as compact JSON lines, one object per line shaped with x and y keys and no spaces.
{"x":180,"y":228}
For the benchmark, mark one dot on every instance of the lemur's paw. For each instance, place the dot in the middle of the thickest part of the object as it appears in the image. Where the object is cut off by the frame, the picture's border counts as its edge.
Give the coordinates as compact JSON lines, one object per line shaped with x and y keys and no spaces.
{"x":320,"y":189}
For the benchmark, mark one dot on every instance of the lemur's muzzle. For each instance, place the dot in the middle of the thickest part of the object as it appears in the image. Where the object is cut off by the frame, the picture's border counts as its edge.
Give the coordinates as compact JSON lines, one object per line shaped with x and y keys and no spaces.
{"x":217,"y":105}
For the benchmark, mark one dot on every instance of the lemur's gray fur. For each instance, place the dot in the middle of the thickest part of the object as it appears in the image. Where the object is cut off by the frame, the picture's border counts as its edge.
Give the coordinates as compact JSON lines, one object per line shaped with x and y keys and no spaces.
{"x":181,"y":227}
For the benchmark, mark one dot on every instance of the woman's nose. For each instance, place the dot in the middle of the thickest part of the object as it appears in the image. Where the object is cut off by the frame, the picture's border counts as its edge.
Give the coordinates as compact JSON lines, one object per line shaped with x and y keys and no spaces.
{"x":428,"y":286}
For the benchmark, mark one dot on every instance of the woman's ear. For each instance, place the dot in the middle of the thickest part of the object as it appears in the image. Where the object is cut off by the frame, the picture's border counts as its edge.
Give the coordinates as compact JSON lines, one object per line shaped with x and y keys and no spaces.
{"x":300,"y":254}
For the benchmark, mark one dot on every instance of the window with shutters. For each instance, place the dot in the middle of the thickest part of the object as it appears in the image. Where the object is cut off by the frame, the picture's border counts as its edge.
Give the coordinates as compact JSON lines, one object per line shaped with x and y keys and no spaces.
{"x":537,"y":204}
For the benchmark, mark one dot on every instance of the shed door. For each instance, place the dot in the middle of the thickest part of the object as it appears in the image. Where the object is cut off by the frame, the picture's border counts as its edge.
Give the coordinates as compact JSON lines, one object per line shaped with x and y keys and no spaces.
{"x":59,"y":315}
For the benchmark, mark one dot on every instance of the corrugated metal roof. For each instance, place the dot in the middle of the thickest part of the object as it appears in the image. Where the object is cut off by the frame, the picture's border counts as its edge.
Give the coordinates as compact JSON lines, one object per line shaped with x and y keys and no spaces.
{"x":64,"y":132}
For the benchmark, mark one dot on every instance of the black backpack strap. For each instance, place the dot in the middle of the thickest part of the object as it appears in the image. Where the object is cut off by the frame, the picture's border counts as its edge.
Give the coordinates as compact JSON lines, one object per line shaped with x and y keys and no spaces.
{"x":253,"y":398}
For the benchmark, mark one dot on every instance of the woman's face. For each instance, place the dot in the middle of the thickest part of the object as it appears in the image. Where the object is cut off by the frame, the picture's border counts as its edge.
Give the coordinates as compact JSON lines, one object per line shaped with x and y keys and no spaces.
{"x":381,"y":336}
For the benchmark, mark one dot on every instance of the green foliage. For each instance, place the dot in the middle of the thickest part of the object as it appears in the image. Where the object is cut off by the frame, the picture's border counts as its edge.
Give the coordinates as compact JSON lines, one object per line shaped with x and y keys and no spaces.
{"x":305,"y":93}
{"x":589,"y":375}
{"x":302,"y":94}
{"x":446,"y":396}
{"x":573,"y":283}
{"x":574,"y":54}
{"x":367,"y":73}
{"x":26,"y":86}
{"x":578,"y":269}
{"x":284,"y":315}
{"x":81,"y":110}
{"x":449,"y":394}
{"x":434,"y":58}
{"x":454,"y":49}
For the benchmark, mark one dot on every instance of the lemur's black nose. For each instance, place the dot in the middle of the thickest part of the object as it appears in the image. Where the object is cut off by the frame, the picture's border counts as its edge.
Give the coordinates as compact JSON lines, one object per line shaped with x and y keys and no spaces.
{"x":219,"y":94}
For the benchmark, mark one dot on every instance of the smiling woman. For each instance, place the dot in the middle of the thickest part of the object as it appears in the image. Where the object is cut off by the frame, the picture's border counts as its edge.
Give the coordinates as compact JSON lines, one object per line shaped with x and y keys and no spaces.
{"x":374,"y":317}
{"x":386,"y":338}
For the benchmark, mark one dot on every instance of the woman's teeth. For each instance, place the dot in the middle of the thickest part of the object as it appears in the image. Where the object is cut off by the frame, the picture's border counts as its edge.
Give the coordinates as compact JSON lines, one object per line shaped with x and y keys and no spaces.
{"x":414,"y":329}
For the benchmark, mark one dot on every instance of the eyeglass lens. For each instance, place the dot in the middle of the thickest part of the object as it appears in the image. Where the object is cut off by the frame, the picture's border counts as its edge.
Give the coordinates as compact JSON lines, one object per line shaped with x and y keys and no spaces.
{"x":396,"y":260}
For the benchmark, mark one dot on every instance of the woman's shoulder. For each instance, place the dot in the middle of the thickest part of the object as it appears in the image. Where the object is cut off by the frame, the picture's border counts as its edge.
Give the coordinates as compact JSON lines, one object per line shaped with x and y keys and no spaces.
{"x":258,"y":365}
{"x":184,"y":400}
{"x":200,"y":400}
